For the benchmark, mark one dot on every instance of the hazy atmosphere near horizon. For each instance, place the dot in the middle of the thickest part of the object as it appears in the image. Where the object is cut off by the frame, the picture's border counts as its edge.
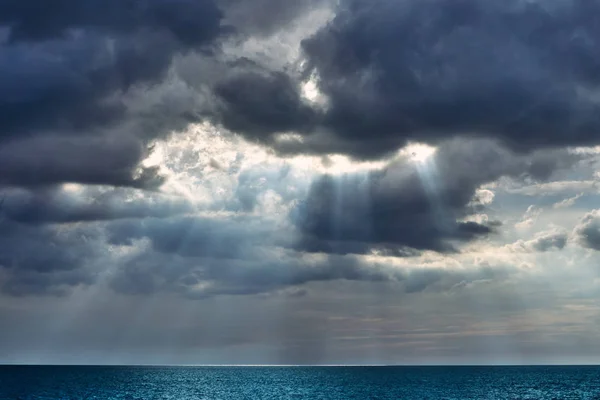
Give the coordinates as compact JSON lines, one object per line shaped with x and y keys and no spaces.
{"x":300,"y":182}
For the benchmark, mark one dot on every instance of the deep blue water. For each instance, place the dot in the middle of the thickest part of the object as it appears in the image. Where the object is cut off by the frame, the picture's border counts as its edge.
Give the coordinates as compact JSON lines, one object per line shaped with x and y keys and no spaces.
{"x":331,"y":383}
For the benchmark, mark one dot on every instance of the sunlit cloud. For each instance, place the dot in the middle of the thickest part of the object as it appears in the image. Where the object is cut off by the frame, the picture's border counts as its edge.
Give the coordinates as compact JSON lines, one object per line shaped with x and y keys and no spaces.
{"x":298,"y":180}
{"x":418,"y":152}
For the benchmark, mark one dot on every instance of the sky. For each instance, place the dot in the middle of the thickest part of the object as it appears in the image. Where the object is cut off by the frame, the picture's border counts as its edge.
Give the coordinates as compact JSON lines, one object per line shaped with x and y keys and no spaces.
{"x":299,"y":182}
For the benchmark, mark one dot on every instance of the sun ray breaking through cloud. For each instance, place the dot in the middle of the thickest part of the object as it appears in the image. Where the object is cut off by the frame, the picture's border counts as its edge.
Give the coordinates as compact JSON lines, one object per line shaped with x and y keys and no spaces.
{"x":325,"y":182}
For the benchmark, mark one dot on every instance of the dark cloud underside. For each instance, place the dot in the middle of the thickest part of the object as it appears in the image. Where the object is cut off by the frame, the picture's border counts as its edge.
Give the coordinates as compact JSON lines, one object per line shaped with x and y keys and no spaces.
{"x":423,"y":70}
{"x":87,"y":86}
{"x":64,"y":69}
{"x":413,"y":205}
{"x":588,"y":230}
{"x":398,"y":71}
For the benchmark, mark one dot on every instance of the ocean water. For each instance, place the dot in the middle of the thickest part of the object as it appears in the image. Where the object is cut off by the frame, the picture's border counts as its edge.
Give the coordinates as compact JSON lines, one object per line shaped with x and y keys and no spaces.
{"x":330,"y":383}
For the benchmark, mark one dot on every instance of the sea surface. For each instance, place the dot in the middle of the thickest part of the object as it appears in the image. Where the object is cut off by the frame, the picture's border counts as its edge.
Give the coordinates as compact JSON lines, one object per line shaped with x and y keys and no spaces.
{"x":330,"y":383}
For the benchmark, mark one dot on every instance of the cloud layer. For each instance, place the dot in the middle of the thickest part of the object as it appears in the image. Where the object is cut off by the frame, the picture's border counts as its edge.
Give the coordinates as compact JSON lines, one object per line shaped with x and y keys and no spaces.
{"x":423,"y":70}
{"x":64,"y":71}
{"x":342,"y":170}
{"x":412,"y":204}
{"x":393,"y":72}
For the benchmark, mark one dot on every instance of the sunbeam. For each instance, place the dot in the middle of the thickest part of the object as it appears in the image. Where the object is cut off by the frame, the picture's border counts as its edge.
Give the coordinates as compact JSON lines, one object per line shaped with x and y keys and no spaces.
{"x":419,"y":153}
{"x":251,"y":182}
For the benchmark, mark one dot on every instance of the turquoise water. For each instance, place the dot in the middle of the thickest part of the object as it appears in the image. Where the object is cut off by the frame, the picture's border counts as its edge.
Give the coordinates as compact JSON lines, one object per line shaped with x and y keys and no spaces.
{"x":331,"y":383}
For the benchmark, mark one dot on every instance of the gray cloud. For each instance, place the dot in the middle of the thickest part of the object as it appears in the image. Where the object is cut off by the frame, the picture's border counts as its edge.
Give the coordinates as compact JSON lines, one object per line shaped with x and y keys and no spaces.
{"x":197,"y":258}
{"x":63,"y":76}
{"x":53,"y":239}
{"x":588,"y":230}
{"x":394,"y":72}
{"x":412,"y":205}
{"x":258,"y":104}
{"x":48,"y":160}
{"x":289,"y":271}
{"x":206,"y":277}
{"x":196,"y":236}
{"x":265,"y":17}
{"x":86,"y":204}
{"x":189,"y":21}
{"x":542,"y":242}
{"x":47,"y":260}
{"x":555,"y":240}
{"x":423,"y":70}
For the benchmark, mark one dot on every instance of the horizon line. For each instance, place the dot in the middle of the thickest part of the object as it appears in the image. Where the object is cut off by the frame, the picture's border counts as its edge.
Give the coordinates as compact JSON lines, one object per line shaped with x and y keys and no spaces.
{"x":293,"y":365}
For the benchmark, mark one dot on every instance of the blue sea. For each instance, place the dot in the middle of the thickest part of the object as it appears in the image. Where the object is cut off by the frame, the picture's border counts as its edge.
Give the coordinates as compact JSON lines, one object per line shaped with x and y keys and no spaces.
{"x":330,"y":383}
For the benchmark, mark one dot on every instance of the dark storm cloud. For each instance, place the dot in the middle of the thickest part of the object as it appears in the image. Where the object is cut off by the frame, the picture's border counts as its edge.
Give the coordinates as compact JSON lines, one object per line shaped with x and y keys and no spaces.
{"x":36,"y":260}
{"x":395,"y":71}
{"x":412,"y":205}
{"x":233,"y":255}
{"x":266,"y":17}
{"x":400,"y":70}
{"x":54,"y":205}
{"x":49,"y":159}
{"x":245,"y":255}
{"x":46,"y":249}
{"x":64,"y":71}
{"x":262,"y":103}
{"x":190,"y":21}
{"x":42,"y":252}
{"x":588,"y":230}
{"x":65,"y":84}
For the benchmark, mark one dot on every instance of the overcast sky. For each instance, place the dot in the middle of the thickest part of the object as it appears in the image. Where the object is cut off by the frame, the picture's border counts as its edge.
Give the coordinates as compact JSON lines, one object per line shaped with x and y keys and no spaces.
{"x":299,"y":182}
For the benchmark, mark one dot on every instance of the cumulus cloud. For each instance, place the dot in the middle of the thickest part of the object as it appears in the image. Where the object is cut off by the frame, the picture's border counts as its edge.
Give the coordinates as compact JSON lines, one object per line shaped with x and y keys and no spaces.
{"x":394,"y":72}
{"x":423,"y":70}
{"x":543,"y":241}
{"x":88,"y":87}
{"x":192,"y":255}
{"x":63,"y":75}
{"x":261,"y":103}
{"x":391,"y":72}
{"x":407,"y":204}
{"x":588,"y":230}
